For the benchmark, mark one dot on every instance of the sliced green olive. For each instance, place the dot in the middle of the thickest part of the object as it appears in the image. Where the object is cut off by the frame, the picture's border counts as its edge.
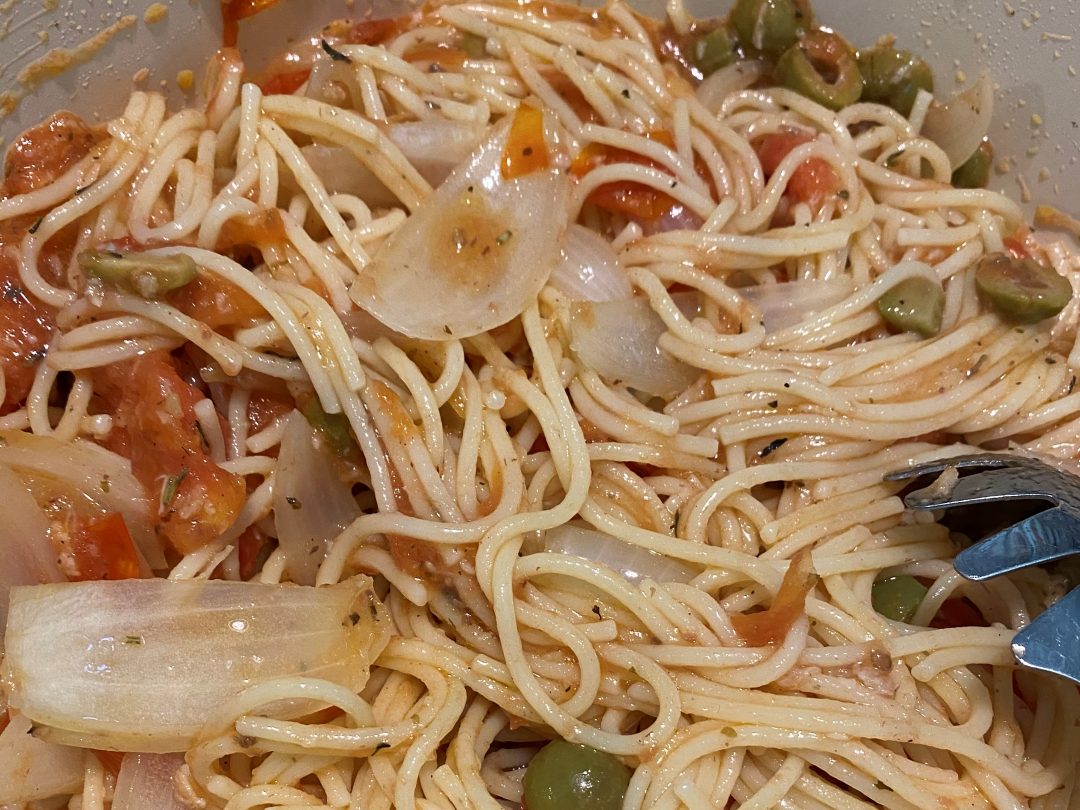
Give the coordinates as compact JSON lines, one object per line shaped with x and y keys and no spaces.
{"x":975,"y":171}
{"x":334,"y":428}
{"x":914,"y":305}
{"x":822,"y":67}
{"x":770,"y":26}
{"x":894,"y":77}
{"x":897,"y":598}
{"x":713,"y":50}
{"x":146,"y":275}
{"x":566,"y":776}
{"x":474,"y":45}
{"x":1021,"y":290}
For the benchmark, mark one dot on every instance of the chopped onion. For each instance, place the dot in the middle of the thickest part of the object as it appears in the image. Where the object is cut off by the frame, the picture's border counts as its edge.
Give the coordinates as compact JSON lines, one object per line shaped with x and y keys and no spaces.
{"x":589,"y":270}
{"x":436,"y":146}
{"x":311,"y":503}
{"x":146,"y":782}
{"x":26,"y":554}
{"x":959,"y":124}
{"x":342,"y":173}
{"x":473,"y":254}
{"x":139,"y":664}
{"x":633,"y":563}
{"x":32,"y":769}
{"x":730,"y":79}
{"x":618,"y":340}
{"x":87,"y":471}
{"x":788,"y":303}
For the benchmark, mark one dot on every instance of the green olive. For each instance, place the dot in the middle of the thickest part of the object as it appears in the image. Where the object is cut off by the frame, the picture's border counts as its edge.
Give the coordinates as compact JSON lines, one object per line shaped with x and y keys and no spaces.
{"x":474,"y":45}
{"x":1021,"y":290}
{"x":713,"y":50}
{"x":146,"y":275}
{"x":333,"y":428}
{"x":897,"y":598}
{"x":770,"y":26}
{"x":822,"y":67}
{"x":975,"y":171}
{"x":566,"y":776}
{"x":914,"y":305}
{"x":894,"y":77}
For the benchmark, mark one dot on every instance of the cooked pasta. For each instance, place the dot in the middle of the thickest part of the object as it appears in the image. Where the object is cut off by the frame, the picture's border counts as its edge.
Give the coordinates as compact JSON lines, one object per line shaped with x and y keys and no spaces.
{"x":598,"y":388}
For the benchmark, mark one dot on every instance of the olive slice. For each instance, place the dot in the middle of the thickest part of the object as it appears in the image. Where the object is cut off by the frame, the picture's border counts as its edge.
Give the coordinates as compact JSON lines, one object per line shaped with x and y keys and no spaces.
{"x":146,"y":275}
{"x":914,"y":305}
{"x":1021,"y":290}
{"x":713,"y":50}
{"x":898,"y":598}
{"x":975,"y":171}
{"x":770,"y":26}
{"x":567,"y":776}
{"x":894,"y":77}
{"x":822,"y":67}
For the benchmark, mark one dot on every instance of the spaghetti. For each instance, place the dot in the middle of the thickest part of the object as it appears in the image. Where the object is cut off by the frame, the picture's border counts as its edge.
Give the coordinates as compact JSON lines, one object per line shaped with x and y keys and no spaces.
{"x":644,"y":510}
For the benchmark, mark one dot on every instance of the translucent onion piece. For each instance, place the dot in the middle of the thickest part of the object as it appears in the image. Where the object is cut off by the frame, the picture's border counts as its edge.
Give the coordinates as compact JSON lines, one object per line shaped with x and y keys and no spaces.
{"x":789,"y":303}
{"x":32,"y":769}
{"x":618,"y":340}
{"x":959,"y":124}
{"x":589,"y":270}
{"x":139,"y":664}
{"x":342,"y":173}
{"x":730,"y":79}
{"x":26,"y":553}
{"x":91,"y":471}
{"x":145,"y":782}
{"x":633,"y":563}
{"x":435,"y":146}
{"x":472,"y":254}
{"x":311,"y":502}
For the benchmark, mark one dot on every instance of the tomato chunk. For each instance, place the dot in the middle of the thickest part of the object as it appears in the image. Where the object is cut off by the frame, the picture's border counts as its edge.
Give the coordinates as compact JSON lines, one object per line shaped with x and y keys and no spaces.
{"x":526,"y":151}
{"x":44,"y":152}
{"x":232,"y":11}
{"x":153,"y":410}
{"x":216,"y":303}
{"x":812,"y":182}
{"x":102,"y":548}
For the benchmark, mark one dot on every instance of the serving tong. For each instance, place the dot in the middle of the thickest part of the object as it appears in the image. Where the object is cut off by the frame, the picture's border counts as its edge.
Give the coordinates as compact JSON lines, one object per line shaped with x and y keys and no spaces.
{"x":1052,"y":641}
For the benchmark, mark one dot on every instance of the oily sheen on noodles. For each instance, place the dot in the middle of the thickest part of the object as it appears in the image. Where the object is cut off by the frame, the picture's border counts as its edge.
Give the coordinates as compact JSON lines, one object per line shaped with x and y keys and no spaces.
{"x":598,"y":391}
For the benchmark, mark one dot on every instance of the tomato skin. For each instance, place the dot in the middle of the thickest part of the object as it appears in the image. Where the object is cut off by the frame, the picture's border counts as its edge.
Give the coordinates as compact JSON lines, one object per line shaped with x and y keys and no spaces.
{"x":216,"y":303}
{"x":635,"y":200}
{"x":102,"y":548}
{"x":526,"y":150}
{"x":155,"y":427}
{"x":812,"y":182}
{"x":232,"y":11}
{"x":285,"y":83}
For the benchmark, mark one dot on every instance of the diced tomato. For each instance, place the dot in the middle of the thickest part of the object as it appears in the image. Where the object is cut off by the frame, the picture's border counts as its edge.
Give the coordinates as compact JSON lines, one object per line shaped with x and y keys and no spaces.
{"x":285,"y":83}
{"x":232,"y":11}
{"x":26,"y":324}
{"x":154,"y":420}
{"x":44,"y":152}
{"x":252,"y":549}
{"x":772,"y":625}
{"x":813,"y":182}
{"x":635,"y":200}
{"x":957,"y":612}
{"x":1014,"y":244}
{"x":216,"y":303}
{"x":102,"y":548}
{"x":376,"y":32}
{"x":264,"y":408}
{"x":526,"y":151}
{"x":110,"y":760}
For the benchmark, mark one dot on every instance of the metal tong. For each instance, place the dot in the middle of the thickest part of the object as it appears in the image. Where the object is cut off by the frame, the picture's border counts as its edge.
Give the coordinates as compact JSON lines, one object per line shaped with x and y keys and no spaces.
{"x":1052,"y":641}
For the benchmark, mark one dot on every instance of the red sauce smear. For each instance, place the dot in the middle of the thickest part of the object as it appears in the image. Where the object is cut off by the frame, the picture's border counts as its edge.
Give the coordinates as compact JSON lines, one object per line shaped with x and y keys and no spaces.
{"x":772,"y":625}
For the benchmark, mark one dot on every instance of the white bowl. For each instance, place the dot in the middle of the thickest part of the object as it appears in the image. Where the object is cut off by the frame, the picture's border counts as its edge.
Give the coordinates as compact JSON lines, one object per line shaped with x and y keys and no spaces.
{"x":1027,"y":47}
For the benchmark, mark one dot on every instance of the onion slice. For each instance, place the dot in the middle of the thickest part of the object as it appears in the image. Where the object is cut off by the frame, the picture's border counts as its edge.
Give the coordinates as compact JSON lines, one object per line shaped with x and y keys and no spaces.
{"x":589,"y":269}
{"x":632,"y":563}
{"x":312,"y":505}
{"x":146,"y":782}
{"x":26,"y":554}
{"x":32,"y":769}
{"x":618,"y":340}
{"x":959,"y":124}
{"x":139,"y":664}
{"x":788,"y":303}
{"x":730,"y":79}
{"x":473,"y":254}
{"x":88,"y":471}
